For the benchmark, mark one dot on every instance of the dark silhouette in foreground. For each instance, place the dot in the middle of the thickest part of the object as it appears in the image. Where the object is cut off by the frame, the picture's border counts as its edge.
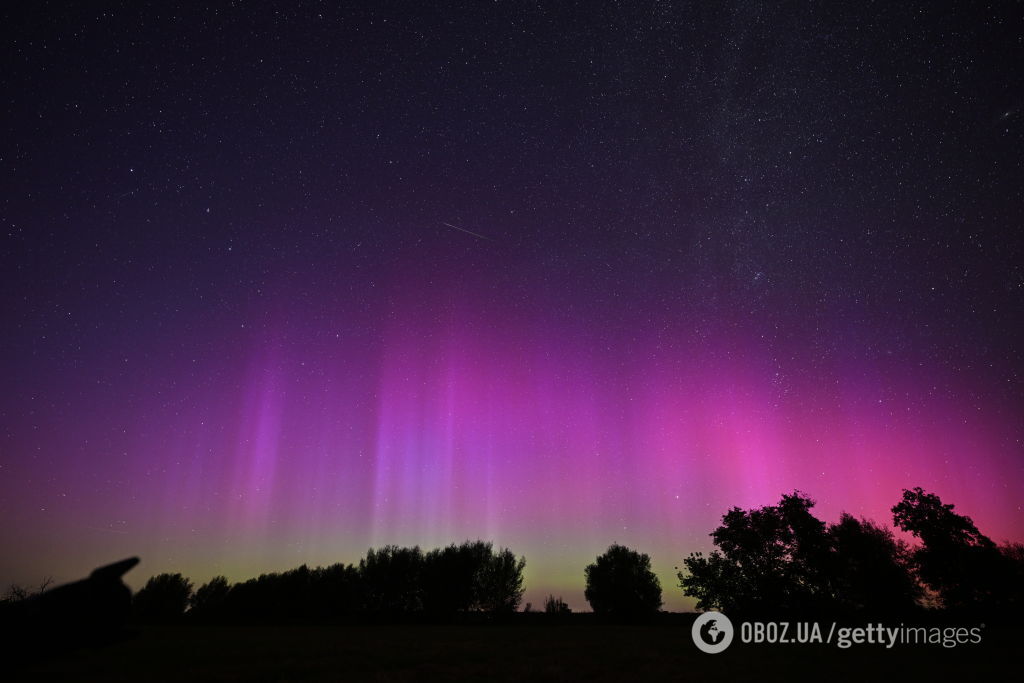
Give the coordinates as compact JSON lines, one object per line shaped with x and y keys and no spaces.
{"x":89,"y":612}
{"x":781,"y":559}
{"x":966,"y":569}
{"x":620,"y":584}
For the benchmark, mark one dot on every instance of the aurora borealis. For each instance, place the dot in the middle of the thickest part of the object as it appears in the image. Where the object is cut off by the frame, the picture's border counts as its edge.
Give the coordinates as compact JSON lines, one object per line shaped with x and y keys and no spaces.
{"x":283,"y":284}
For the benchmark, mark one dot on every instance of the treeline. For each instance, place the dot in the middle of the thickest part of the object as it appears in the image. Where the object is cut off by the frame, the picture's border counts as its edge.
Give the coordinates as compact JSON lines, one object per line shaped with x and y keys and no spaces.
{"x":776,"y":559}
{"x":772,"y":560}
{"x":390,"y":582}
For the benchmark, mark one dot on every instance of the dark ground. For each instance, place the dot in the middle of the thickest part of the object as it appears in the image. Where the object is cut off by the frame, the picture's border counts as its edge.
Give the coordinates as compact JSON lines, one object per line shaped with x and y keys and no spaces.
{"x":572,"y":650}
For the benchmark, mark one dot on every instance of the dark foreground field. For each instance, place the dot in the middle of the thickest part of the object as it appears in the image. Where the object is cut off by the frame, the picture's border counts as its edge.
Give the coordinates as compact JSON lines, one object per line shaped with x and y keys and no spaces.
{"x":578,"y":650}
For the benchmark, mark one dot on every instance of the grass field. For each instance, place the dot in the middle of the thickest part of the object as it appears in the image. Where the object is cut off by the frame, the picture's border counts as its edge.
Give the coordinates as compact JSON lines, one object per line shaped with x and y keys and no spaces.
{"x":574,"y":650}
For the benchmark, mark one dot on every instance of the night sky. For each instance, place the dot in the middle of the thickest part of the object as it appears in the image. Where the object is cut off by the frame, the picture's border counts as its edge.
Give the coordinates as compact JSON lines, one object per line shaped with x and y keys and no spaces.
{"x":279,"y":284}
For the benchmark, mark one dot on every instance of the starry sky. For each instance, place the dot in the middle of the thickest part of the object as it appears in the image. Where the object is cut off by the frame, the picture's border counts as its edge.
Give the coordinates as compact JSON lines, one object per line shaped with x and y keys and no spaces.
{"x":282,"y":282}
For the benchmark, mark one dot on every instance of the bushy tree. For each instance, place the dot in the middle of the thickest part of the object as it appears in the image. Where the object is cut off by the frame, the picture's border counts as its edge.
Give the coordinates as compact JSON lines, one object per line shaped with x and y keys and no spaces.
{"x":553,"y":605}
{"x":164,"y":598}
{"x":934,"y":522}
{"x":963,"y":566}
{"x":452,"y":576}
{"x":289,"y":594}
{"x":782,"y":558}
{"x":871,"y":568}
{"x":209,"y":599}
{"x":620,"y":583}
{"x":471,"y":576}
{"x":501,"y":583}
{"x":717,"y":582}
{"x":769,"y":558}
{"x":337,"y":590}
{"x":390,"y":580}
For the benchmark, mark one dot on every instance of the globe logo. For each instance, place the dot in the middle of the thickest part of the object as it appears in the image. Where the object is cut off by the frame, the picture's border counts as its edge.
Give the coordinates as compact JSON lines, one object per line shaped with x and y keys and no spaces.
{"x":712,"y":632}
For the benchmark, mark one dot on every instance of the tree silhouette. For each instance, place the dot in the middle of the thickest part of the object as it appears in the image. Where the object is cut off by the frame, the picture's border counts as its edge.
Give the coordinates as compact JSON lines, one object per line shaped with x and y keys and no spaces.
{"x":390,"y":578}
{"x":553,"y":605}
{"x":717,"y":582}
{"x":782,"y":558}
{"x":620,"y":583}
{"x":288,"y":594}
{"x":17,"y":593}
{"x":336,"y":590}
{"x":934,"y":522}
{"x":209,"y":599}
{"x":501,"y":583}
{"x":872,"y":570}
{"x":1013,"y":552}
{"x":164,"y":597}
{"x":810,"y":566}
{"x":471,"y":577}
{"x":963,"y":566}
{"x":452,"y":577}
{"x":770,"y":558}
